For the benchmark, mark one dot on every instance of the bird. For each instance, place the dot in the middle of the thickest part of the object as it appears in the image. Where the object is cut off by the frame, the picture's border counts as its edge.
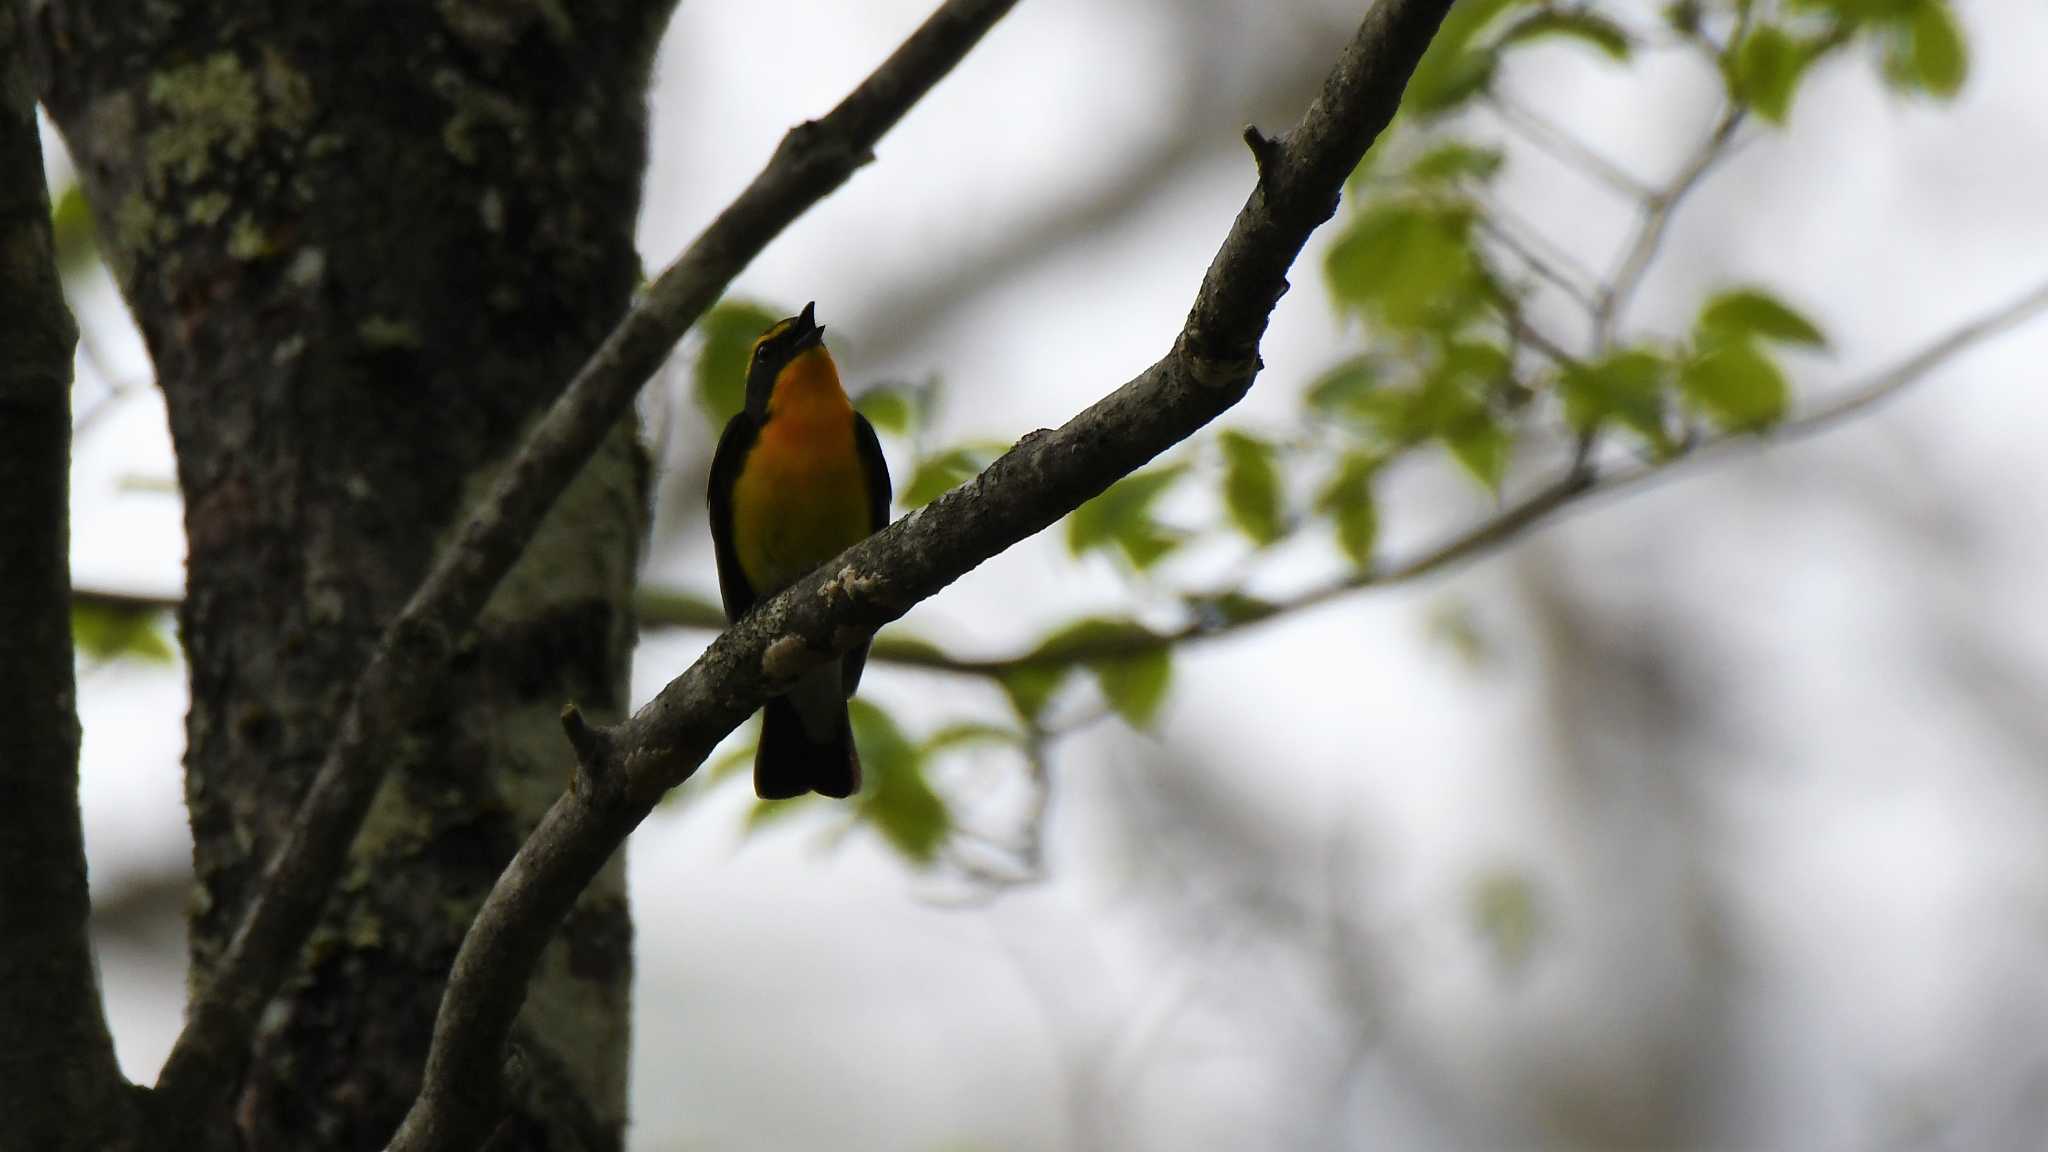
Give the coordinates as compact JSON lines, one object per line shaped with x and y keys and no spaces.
{"x":797,"y":478}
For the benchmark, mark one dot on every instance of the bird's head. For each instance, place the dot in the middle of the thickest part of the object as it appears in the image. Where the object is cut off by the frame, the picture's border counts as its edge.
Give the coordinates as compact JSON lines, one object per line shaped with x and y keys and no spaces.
{"x":788,"y":348}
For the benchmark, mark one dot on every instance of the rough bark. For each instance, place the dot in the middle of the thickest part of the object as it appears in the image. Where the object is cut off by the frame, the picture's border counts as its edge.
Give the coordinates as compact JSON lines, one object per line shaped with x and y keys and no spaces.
{"x":366,"y":243}
{"x":395,"y":691}
{"x":59,"y":1085}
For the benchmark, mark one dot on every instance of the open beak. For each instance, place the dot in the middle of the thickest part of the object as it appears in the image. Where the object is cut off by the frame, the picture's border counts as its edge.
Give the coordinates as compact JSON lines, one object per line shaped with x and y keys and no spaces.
{"x":809,"y":333}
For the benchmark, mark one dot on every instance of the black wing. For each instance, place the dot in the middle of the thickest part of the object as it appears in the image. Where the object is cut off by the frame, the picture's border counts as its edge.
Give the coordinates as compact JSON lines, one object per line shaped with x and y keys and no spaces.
{"x":871,"y":462}
{"x":869,"y":446}
{"x":726,"y":462}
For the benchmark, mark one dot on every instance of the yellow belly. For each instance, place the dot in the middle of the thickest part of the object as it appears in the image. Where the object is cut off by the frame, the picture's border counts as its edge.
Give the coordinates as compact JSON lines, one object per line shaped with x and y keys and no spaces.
{"x":798,"y":502}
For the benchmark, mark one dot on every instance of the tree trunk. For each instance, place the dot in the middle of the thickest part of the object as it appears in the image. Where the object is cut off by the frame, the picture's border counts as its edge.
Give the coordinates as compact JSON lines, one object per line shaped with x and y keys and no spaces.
{"x":366,"y":243}
{"x":59,"y":1086}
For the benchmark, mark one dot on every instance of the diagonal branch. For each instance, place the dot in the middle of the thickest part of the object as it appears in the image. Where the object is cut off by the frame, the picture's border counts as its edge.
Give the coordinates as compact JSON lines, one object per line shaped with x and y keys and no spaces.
{"x":1569,"y":149}
{"x":1048,"y":473}
{"x":1655,"y":221}
{"x":59,"y":1085}
{"x":814,"y":159}
{"x":1565,"y":492}
{"x":662,"y":608}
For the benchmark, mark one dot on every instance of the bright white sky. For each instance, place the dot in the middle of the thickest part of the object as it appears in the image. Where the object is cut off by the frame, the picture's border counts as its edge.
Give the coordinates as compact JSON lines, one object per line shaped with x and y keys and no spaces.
{"x":1863,"y":841}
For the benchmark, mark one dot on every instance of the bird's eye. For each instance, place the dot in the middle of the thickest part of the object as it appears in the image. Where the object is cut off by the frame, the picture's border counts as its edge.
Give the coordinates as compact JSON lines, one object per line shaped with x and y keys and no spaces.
{"x":761,"y":353}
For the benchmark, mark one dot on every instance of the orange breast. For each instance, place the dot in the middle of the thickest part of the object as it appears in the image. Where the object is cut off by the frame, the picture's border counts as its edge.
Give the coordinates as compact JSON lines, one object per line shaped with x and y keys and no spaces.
{"x":801,"y":498}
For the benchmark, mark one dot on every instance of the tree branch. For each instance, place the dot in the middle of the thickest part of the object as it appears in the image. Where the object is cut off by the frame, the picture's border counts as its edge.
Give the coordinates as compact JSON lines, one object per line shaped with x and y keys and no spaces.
{"x":1655,"y":221}
{"x":1569,"y":490}
{"x":60,"y":1087}
{"x":671,"y":609}
{"x":1568,"y":149}
{"x":1047,"y":474}
{"x":814,"y":159}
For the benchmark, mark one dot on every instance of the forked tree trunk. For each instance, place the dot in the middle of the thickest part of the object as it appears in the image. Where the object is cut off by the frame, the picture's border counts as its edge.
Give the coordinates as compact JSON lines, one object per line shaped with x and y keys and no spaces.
{"x":366,"y":242}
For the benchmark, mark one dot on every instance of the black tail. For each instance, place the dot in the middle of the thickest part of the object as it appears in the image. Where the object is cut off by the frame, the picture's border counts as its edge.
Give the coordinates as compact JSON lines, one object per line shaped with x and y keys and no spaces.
{"x":788,"y":763}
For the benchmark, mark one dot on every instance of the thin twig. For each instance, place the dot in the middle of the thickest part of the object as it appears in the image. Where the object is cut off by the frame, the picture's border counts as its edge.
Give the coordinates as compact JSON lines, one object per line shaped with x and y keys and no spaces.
{"x":1561,"y":493}
{"x":813,"y":159}
{"x":1655,"y":222}
{"x":664,"y":609}
{"x":1049,"y":473}
{"x":1560,"y":260}
{"x":1853,"y":401}
{"x":1536,"y":262}
{"x":1569,"y":149}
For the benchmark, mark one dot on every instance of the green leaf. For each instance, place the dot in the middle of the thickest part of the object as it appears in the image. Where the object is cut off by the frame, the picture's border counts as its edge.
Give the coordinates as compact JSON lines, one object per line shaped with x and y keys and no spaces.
{"x":1354,"y":184}
{"x":1684,"y":17}
{"x":1121,"y":517}
{"x":1863,"y":11}
{"x":1094,"y":638}
{"x":1407,"y":264}
{"x":889,"y":409}
{"x":1454,"y":162}
{"x":1030,"y":687}
{"x":1589,"y":27}
{"x":729,"y":331}
{"x":1736,"y":385}
{"x":1251,"y":487}
{"x":1452,"y":71}
{"x":1507,"y":914}
{"x":1459,"y":28}
{"x":1130,"y":662}
{"x":966,"y":733}
{"x":1940,"y":58}
{"x":1478,"y":442}
{"x":1475,"y":363}
{"x":1135,"y":686}
{"x":1464,"y":76}
{"x":1345,"y":388}
{"x":1148,"y":543}
{"x":937,"y":475}
{"x":1233,"y":607}
{"x":1752,"y":312}
{"x":1766,"y":71}
{"x":899,"y":643}
{"x":1627,"y":386}
{"x":1453,"y":623}
{"x":1347,"y":500}
{"x":1399,"y":417}
{"x":732,"y":760}
{"x":895,"y":797}
{"x":767,"y":812}
{"x":71,"y":223}
{"x":104,"y":632}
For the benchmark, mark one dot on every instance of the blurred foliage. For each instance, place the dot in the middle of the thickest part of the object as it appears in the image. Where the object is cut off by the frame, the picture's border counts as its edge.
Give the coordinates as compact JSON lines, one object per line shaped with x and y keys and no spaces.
{"x":1130,"y":663}
{"x":105,"y":632}
{"x":1347,"y":500}
{"x":1454,"y":623}
{"x":71,"y":223}
{"x":1507,"y":915}
{"x":941,"y":472}
{"x":1251,"y":487}
{"x":896,"y":800}
{"x":1125,"y":519}
{"x":1453,"y":363}
{"x":889,"y":409}
{"x":726,"y":340}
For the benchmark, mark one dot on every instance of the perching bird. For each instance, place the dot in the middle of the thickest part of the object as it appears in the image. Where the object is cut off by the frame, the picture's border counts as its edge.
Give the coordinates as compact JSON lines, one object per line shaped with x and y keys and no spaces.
{"x":798,"y":478}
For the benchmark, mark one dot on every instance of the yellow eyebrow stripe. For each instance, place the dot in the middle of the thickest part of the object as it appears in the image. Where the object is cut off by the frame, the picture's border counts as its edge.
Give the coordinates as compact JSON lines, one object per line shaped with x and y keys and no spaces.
{"x":780,"y":327}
